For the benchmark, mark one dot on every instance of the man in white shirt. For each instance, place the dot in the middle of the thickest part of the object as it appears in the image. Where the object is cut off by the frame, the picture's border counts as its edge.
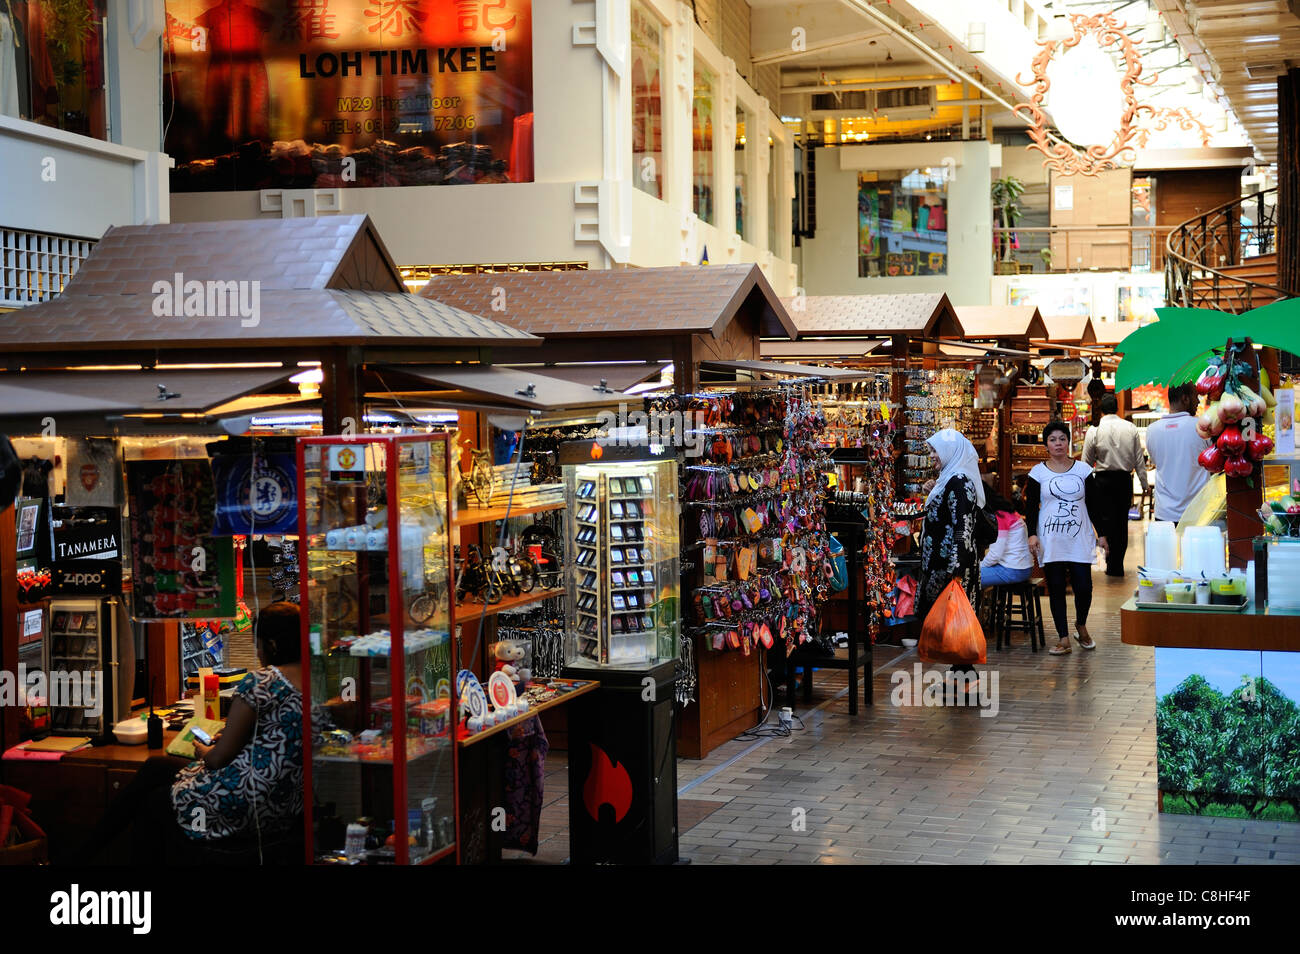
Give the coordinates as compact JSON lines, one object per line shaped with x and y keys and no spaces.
{"x":1114,"y":450}
{"x":1174,"y":446}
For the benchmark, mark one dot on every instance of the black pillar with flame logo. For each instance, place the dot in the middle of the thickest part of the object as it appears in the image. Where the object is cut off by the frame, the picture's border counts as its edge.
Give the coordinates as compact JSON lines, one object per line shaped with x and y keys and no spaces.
{"x":623,"y":769}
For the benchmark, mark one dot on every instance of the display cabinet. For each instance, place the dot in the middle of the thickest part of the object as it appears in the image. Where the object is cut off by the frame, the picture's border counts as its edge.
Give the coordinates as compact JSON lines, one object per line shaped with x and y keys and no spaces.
{"x":82,"y":651}
{"x":380,"y":763}
{"x":621,"y":564}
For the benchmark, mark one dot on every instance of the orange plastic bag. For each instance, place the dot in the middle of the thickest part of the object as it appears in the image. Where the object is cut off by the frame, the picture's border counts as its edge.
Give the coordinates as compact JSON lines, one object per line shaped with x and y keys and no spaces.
{"x":952,"y":632}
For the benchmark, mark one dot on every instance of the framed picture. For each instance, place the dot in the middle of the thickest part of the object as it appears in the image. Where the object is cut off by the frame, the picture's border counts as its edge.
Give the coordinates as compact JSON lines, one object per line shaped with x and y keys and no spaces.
{"x":92,"y":623}
{"x":76,"y":621}
{"x":60,"y":624}
{"x":29,"y":512}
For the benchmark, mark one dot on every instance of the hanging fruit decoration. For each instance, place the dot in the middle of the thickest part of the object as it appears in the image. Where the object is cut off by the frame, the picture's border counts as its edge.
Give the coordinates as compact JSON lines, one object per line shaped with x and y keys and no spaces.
{"x":1233,"y":416}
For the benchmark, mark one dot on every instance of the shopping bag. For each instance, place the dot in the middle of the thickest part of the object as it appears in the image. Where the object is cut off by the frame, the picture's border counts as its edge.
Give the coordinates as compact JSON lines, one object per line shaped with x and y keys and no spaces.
{"x":952,"y":632}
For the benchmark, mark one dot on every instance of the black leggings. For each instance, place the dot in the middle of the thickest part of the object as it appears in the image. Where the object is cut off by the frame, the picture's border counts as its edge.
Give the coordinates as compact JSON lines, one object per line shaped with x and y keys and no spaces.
{"x":145,"y":805}
{"x":1080,"y":579}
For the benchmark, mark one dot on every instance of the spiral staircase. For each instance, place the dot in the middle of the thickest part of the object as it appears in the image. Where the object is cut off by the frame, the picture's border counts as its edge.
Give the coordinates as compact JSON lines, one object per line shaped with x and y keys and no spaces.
{"x":1226,"y":259}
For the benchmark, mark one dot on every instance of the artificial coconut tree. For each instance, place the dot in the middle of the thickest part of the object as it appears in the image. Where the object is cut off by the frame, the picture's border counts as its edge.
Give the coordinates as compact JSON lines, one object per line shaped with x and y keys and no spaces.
{"x":1217,"y":351}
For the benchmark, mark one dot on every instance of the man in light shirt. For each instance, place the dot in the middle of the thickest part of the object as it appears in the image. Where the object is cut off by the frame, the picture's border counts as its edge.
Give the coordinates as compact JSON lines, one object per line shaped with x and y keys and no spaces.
{"x":1114,"y":450}
{"x":1174,"y":446}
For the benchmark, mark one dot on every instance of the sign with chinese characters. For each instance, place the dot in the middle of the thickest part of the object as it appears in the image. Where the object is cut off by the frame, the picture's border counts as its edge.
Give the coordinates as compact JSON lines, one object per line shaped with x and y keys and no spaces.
{"x":348,"y":93}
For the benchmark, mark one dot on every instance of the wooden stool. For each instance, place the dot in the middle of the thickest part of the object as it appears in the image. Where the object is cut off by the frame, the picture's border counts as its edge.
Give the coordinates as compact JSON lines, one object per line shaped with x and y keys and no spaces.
{"x":1017,"y":608}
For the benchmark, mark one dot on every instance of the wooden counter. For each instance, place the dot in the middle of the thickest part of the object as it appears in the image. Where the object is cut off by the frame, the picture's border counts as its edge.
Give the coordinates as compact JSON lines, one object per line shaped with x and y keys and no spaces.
{"x":1262,"y":629}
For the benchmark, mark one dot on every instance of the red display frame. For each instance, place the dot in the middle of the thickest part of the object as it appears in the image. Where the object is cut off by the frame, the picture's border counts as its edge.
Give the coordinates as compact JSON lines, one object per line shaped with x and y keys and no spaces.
{"x":397,"y":629}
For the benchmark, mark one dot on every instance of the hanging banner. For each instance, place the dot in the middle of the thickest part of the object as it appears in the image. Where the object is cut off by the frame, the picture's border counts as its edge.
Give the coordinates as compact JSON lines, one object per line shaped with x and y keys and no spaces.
{"x":330,"y":94}
{"x":94,"y":477}
{"x":180,"y":571}
{"x":260,"y":502}
{"x":1285,"y":419}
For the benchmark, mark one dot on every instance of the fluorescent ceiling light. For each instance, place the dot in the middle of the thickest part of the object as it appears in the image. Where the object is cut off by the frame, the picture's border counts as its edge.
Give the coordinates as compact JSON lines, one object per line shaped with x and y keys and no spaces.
{"x":1272,"y":38}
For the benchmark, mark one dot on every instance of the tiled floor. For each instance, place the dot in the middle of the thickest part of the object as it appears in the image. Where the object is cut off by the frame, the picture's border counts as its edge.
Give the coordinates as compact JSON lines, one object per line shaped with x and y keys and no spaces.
{"x":1065,"y":772}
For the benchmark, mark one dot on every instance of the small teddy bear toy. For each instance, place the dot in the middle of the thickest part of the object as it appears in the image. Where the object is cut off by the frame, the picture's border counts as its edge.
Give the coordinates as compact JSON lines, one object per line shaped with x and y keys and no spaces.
{"x":509,"y":659}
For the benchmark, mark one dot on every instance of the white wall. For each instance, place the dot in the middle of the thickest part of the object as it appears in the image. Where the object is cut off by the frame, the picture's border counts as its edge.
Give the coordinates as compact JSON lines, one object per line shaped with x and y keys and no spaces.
{"x":134,"y":77}
{"x":830,"y":261}
{"x":66,"y":184}
{"x":1100,"y":290}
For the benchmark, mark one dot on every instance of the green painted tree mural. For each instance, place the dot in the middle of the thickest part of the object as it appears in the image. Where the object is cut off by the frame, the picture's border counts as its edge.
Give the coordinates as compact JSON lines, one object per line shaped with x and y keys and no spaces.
{"x":1235,"y":754}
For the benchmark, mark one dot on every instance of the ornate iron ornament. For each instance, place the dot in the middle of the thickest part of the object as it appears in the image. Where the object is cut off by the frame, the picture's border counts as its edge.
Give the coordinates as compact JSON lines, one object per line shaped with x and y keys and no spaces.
{"x":1061,"y":157}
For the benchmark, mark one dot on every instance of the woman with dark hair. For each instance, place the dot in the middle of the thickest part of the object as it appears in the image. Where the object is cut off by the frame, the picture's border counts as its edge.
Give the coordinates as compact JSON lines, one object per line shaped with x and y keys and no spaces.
{"x":1061,"y":512}
{"x":1008,"y":560}
{"x":249,"y":780}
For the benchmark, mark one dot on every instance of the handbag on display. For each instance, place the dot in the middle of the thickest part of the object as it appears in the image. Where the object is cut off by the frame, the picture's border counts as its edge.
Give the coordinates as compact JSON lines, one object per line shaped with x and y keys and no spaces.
{"x":839,"y":566}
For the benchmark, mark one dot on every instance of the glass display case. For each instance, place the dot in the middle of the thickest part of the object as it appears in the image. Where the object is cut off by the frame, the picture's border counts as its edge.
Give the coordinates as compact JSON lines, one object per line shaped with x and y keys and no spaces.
{"x":621,"y":561}
{"x":82,"y":645}
{"x":374,"y":535}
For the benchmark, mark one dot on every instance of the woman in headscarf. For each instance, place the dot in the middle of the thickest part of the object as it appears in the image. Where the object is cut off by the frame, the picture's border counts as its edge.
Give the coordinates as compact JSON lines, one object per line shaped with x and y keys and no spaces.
{"x":948,"y":549}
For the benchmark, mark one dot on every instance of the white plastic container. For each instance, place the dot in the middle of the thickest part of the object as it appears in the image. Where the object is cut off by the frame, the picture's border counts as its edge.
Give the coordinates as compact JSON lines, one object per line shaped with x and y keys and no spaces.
{"x":1284,"y":576}
{"x":1161,"y":546}
{"x":1203,"y":552}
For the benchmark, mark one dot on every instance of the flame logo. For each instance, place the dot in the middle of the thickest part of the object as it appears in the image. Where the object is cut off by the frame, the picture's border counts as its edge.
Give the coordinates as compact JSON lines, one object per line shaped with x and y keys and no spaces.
{"x":607,"y":784}
{"x":597,"y":452}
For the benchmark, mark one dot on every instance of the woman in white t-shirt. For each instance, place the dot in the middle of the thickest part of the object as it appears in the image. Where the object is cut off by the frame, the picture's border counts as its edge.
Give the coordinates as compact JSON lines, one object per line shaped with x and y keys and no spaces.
{"x":1060,"y":509}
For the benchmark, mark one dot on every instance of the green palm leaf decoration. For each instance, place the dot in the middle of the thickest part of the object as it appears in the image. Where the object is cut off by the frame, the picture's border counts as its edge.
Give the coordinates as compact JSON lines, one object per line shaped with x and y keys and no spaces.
{"x":1174,"y":349}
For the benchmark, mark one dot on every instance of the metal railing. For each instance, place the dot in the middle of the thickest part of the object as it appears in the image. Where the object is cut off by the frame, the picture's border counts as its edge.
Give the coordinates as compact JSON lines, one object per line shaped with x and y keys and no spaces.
{"x":1197,"y":250}
{"x":1079,"y":248}
{"x":35,"y":266}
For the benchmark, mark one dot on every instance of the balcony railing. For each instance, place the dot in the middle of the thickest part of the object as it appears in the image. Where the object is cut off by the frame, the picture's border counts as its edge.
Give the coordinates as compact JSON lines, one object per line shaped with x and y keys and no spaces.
{"x":1080,"y":248}
{"x":35,"y":266}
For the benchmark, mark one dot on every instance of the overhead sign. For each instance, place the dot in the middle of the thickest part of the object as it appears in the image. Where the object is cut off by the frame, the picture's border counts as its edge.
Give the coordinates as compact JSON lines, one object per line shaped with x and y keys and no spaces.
{"x":1067,"y":370}
{"x":331,"y":94}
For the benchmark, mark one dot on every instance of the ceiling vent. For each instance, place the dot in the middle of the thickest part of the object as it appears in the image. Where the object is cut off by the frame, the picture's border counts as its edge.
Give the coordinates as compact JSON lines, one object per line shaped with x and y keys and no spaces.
{"x":1269,"y":70}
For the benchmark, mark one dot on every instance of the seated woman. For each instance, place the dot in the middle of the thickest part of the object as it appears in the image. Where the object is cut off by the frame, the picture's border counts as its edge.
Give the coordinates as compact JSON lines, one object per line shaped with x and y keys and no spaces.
{"x":248,"y":782}
{"x":1008,"y":560}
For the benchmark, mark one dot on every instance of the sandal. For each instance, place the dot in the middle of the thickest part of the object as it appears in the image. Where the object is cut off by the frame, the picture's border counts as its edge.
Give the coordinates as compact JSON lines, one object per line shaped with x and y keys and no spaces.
{"x":1085,"y":641}
{"x":1060,"y":650}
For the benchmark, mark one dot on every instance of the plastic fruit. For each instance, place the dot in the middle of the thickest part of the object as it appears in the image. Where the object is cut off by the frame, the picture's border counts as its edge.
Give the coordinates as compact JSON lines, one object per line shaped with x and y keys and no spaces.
{"x":1231,"y":443}
{"x":1231,"y":409}
{"x":1238,"y":467}
{"x":1211,"y":459}
{"x":1260,"y":447}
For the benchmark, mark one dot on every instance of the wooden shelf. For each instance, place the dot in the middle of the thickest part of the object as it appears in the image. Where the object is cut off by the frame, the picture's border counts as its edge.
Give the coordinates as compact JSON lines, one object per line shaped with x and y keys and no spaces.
{"x":467,"y":740}
{"x":465,"y":612}
{"x":470,"y":516}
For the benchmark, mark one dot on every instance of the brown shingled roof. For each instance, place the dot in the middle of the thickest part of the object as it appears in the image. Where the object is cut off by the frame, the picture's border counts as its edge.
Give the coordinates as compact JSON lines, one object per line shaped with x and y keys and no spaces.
{"x":849,"y":316}
{"x":1111,"y":333}
{"x":1070,"y":329}
{"x":677,"y":300}
{"x":324,"y":281}
{"x":981,"y":322}
{"x":331,"y":251}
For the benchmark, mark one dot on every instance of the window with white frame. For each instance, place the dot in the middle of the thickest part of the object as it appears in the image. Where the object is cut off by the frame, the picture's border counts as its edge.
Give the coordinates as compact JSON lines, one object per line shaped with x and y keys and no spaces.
{"x":703,"y":155}
{"x":647,"y":104}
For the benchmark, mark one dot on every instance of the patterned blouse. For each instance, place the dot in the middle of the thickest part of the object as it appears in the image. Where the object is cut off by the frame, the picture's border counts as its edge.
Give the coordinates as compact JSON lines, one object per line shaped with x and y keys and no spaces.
{"x":261,"y":788}
{"x":948,"y":545}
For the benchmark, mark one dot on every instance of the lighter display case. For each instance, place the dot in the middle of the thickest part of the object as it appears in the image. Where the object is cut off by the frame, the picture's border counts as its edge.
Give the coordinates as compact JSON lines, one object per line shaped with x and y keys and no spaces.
{"x":380,"y":765}
{"x":621,"y":566}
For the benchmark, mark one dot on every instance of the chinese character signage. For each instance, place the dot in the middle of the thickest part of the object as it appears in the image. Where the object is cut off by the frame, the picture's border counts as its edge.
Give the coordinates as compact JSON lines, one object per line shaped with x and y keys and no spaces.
{"x":348,"y":93}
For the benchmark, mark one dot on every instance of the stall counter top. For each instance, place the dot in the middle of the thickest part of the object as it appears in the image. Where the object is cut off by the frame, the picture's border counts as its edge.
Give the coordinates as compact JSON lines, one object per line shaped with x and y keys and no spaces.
{"x":1253,"y":628}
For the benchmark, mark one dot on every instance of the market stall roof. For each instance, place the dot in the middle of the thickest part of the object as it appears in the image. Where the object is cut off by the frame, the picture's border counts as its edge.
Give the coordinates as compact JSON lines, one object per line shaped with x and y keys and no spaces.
{"x":999,"y":322}
{"x":838,"y":349}
{"x":961,"y":350}
{"x":677,"y":300}
{"x":1069,"y":330}
{"x":787,"y":369}
{"x":82,"y":402}
{"x":480,"y":385}
{"x":853,"y":316}
{"x":1111,"y":333}
{"x":619,"y":375}
{"x":255,"y":283}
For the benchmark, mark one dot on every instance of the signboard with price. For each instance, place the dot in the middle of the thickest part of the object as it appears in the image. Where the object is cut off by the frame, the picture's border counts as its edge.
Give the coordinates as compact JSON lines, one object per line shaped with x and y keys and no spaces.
{"x":348,"y":93}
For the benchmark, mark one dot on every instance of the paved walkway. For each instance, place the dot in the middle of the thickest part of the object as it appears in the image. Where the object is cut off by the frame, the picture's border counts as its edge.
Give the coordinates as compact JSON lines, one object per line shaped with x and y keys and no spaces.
{"x":1065,"y":772}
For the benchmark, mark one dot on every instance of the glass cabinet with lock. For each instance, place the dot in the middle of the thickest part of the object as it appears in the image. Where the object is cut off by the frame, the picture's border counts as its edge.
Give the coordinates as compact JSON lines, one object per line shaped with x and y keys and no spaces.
{"x":621,"y":556}
{"x":379,"y":761}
